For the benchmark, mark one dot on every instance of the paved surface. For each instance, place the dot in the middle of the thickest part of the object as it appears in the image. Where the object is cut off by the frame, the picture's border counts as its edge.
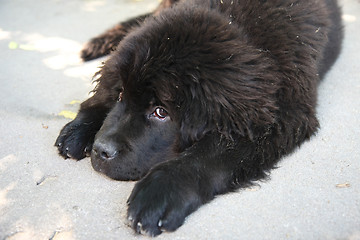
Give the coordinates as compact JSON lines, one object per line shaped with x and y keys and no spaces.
{"x":315,"y":194}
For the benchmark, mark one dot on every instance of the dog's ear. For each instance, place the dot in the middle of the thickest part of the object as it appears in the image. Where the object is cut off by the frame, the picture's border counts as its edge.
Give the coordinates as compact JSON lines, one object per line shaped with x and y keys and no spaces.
{"x":229,"y":102}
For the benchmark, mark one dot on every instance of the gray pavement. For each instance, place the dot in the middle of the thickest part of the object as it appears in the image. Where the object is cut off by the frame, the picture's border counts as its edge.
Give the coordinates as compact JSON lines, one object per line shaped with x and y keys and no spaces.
{"x":314,"y":194}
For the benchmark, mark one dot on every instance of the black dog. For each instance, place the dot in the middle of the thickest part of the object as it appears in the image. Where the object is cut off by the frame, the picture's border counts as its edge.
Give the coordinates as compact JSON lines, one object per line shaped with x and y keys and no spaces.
{"x":201,"y":98}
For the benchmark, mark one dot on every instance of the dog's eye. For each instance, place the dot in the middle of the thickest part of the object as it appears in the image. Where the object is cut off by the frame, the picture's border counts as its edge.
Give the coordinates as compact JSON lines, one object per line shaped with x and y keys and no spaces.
{"x":120,"y":95}
{"x":160,"y":113}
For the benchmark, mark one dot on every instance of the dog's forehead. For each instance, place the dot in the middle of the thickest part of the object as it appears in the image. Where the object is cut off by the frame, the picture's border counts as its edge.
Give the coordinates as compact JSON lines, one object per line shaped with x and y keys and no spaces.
{"x":140,"y":99}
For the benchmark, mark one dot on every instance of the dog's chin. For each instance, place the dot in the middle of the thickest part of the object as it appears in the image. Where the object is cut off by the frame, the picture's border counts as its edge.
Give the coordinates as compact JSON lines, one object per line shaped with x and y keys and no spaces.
{"x":114,"y":171}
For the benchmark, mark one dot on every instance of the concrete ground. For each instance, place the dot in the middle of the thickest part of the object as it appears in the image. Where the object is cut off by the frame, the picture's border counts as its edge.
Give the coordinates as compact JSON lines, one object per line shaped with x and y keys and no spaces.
{"x":315,"y":194}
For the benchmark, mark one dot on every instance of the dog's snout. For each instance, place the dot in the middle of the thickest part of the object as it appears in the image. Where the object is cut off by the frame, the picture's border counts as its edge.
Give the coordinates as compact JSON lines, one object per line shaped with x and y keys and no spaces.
{"x":105,"y":151}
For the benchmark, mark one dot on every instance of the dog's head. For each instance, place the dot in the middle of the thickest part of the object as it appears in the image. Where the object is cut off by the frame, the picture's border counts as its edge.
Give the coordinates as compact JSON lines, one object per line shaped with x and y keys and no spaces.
{"x":134,"y":138}
{"x":181,"y":77}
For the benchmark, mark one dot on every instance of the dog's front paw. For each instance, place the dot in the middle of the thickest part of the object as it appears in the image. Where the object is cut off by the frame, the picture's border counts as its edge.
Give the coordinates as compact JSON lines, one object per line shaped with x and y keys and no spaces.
{"x":75,"y":139}
{"x":160,"y":202}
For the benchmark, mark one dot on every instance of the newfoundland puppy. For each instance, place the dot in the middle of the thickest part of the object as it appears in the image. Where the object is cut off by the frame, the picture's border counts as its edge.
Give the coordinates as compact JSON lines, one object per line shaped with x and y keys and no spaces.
{"x":202,"y":97}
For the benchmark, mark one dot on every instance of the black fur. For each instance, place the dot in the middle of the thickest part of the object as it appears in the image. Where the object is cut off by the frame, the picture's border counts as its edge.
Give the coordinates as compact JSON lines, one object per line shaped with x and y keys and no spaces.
{"x":201,"y":98}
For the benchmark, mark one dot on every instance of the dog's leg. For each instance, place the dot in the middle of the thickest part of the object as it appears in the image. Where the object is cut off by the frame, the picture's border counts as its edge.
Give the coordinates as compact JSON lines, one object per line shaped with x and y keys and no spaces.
{"x":76,"y":138}
{"x":174,"y":189}
{"x":105,"y":43}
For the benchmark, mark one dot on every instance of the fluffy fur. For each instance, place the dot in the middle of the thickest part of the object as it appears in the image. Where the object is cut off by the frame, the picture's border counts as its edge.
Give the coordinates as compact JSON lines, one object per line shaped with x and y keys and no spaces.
{"x":201,"y":98}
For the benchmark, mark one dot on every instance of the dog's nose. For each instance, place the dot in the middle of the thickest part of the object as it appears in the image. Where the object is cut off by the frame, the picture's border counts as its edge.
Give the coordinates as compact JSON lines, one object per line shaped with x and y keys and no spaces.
{"x":105,"y":151}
